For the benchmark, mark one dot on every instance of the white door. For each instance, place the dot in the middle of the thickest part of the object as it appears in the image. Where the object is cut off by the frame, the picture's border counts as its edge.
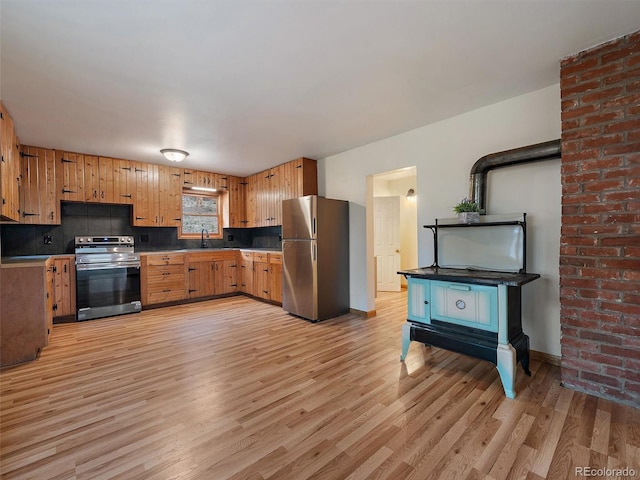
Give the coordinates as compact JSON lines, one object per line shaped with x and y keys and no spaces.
{"x":387,"y":242}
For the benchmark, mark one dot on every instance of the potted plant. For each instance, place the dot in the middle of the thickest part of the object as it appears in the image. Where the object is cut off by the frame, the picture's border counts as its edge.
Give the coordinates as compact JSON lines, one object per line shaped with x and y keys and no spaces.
{"x":468,"y":211}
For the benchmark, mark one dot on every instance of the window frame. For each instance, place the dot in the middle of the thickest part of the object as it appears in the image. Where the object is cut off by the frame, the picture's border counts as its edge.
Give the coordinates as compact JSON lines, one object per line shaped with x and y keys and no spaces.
{"x":198,"y":235}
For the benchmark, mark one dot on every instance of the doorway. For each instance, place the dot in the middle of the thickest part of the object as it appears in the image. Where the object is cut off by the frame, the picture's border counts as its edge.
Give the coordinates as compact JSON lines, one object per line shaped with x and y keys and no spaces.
{"x":395,"y":222}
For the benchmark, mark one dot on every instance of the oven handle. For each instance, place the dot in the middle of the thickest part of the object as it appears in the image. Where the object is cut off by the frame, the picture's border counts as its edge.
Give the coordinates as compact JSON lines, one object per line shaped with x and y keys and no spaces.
{"x":105,"y":266}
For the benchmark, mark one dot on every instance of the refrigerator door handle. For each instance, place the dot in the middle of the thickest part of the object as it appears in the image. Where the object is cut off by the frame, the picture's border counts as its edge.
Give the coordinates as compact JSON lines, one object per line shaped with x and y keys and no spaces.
{"x":314,"y":226}
{"x":315,"y":253}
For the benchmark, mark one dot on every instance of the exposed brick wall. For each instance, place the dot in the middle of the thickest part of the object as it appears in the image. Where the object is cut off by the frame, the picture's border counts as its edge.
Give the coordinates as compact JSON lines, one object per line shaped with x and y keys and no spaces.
{"x":600,"y":237}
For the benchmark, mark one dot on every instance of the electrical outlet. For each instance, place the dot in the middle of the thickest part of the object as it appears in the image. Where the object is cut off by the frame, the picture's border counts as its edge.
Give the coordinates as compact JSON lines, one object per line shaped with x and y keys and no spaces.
{"x":229,"y":238}
{"x":48,"y":240}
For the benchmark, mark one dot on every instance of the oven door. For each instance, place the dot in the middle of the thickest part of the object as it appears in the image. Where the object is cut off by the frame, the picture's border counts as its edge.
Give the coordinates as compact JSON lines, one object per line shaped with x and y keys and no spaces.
{"x":107,"y":289}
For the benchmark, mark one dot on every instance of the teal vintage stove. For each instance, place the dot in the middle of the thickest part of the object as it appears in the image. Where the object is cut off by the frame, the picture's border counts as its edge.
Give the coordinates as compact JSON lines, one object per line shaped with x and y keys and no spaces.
{"x":469,"y":300}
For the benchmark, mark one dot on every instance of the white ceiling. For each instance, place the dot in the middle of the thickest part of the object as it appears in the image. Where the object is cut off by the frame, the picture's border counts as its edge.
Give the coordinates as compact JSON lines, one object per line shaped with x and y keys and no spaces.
{"x":244,"y":85}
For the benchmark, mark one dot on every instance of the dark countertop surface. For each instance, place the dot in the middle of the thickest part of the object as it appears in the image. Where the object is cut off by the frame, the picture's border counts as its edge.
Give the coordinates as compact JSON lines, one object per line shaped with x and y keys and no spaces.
{"x":478,"y":277}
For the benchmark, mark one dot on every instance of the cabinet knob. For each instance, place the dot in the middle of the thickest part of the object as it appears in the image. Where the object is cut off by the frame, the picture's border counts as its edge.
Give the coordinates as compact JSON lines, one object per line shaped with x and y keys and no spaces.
{"x":426,"y":302}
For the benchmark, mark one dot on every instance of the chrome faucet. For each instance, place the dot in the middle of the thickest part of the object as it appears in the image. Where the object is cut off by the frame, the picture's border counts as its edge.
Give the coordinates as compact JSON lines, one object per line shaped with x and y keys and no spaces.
{"x":204,"y":242}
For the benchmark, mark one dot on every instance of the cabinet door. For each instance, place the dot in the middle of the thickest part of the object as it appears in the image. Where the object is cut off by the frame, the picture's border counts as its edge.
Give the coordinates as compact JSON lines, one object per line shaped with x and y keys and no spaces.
{"x":419,"y":308}
{"x":64,"y":288}
{"x":9,"y":169}
{"x":188,"y":178}
{"x":236,"y":212}
{"x":38,"y":202}
{"x":276,"y":188}
{"x":70,"y":175}
{"x":275,"y":282}
{"x":205,"y":179}
{"x":226,"y":276}
{"x":145,"y":207}
{"x":170,"y":196}
{"x":251,"y":206}
{"x":261,"y":279}
{"x":124,"y":181}
{"x":246,"y":276}
{"x":201,"y":279}
{"x":91,"y":178}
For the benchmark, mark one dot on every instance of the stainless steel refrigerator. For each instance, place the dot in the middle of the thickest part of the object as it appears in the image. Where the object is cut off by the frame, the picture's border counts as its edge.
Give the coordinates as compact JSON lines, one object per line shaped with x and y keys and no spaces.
{"x":315,"y":257}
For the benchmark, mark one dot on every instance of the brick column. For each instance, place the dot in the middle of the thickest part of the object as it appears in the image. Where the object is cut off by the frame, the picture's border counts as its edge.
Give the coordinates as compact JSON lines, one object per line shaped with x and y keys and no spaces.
{"x":600,"y":237}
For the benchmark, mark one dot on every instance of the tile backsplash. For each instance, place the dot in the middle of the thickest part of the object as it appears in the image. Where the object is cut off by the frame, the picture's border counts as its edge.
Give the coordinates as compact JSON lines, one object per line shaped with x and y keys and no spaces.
{"x":91,"y":219}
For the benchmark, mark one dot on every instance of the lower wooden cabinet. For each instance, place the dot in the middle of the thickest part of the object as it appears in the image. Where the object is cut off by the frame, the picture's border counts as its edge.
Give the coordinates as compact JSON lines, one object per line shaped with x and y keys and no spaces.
{"x":212,"y":273}
{"x":162,"y":278}
{"x":245,"y":272}
{"x":171,"y":277}
{"x":26,"y":303}
{"x":267,"y":279}
{"x":64,"y":286}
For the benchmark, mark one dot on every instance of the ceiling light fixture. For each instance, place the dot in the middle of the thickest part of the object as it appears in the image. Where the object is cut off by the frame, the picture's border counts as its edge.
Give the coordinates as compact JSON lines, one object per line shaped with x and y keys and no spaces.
{"x":174,"y":155}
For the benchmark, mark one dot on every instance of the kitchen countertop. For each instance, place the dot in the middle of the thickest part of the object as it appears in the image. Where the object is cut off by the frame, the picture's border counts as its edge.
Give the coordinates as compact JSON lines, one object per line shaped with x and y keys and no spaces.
{"x":38,"y":260}
{"x":28,"y":260}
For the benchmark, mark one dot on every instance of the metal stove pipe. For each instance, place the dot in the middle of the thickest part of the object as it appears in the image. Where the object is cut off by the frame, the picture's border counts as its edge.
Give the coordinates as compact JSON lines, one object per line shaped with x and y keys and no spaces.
{"x":532,"y":153}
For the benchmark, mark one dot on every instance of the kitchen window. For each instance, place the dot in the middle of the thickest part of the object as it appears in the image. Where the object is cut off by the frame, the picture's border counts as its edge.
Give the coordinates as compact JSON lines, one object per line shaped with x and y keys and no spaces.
{"x":201,"y":211}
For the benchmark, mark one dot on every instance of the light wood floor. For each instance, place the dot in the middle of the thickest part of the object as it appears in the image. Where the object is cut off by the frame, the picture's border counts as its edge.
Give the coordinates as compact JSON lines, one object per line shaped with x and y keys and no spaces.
{"x":235,"y":388}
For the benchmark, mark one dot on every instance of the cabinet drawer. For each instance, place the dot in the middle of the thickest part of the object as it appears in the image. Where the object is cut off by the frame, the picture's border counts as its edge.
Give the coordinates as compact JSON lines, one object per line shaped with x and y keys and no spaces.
{"x":275,"y":258}
{"x":465,"y":304}
{"x":167,"y":273}
{"x":247,"y":256}
{"x":166,"y":295}
{"x":166,"y":259}
{"x":261,"y":257}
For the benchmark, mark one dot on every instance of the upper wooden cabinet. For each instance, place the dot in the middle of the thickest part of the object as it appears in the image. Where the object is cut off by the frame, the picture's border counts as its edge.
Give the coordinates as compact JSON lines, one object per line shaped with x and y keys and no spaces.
{"x":117,"y":181}
{"x":158,"y":195}
{"x":9,"y":168}
{"x":38,"y":200}
{"x":300,"y":178}
{"x":235,"y":207}
{"x":170,"y":181}
{"x":266,"y":190}
{"x":70,"y":176}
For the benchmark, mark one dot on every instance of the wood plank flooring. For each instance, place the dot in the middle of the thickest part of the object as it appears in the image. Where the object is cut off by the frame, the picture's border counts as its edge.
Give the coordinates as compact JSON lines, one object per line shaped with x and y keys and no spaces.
{"x":237,"y":389}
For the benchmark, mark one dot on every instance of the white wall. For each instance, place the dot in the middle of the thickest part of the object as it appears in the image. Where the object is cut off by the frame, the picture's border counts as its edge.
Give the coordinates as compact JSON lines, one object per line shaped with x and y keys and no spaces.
{"x":443,"y":153}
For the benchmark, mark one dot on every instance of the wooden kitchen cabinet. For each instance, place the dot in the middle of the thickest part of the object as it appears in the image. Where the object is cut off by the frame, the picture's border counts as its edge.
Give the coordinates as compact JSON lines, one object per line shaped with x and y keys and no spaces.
{"x":64,"y":286}
{"x":116,"y":181}
{"x":212,"y":273}
{"x":91,"y":178}
{"x":170,"y":196}
{"x":275,"y":277}
{"x":300,"y":178}
{"x":38,"y":200}
{"x":234,"y":209}
{"x":9,"y":168}
{"x":267,"y":279}
{"x":162,"y":278}
{"x":146,"y":197}
{"x":201,"y":278}
{"x":70,"y":176}
{"x":27,"y":316}
{"x":266,"y":190}
{"x":158,"y":195}
{"x":226,"y":276}
{"x":245,"y":272}
{"x":261,"y":275}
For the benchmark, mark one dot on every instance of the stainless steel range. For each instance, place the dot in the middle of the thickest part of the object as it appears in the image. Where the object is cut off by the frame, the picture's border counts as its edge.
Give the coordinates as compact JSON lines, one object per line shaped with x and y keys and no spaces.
{"x":107,"y":276}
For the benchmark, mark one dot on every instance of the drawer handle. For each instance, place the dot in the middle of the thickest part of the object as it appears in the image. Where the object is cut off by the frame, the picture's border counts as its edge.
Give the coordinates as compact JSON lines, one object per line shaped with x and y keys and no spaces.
{"x":463,"y":288}
{"x":426,"y":302}
{"x":460,"y":304}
